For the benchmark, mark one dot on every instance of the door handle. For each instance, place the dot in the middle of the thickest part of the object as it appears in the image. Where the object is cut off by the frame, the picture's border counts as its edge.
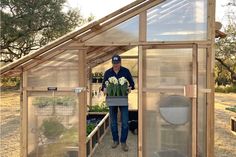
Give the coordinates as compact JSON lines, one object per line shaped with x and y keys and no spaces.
{"x":80,"y":89}
{"x":190,"y":91}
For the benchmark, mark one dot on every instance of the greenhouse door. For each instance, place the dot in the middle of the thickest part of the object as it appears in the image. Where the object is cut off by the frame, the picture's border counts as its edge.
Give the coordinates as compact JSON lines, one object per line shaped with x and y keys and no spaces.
{"x":52,"y":123}
{"x":168,"y":100}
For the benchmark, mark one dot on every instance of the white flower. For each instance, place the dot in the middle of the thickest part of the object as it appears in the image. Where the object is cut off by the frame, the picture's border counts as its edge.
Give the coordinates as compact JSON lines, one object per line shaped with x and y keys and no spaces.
{"x":107,"y":83}
{"x":122,"y":80}
{"x":113,"y":80}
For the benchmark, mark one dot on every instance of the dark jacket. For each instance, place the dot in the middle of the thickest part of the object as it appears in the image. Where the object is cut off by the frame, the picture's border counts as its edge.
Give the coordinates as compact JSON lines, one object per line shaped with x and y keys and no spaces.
{"x":124,"y":72}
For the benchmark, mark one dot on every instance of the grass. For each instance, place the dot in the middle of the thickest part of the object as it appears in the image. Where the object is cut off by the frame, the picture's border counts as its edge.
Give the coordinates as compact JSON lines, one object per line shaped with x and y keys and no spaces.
{"x":233,"y":109}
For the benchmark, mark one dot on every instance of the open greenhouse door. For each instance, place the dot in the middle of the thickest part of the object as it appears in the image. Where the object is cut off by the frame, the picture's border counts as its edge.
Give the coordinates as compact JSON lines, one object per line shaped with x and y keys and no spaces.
{"x":168,"y":100}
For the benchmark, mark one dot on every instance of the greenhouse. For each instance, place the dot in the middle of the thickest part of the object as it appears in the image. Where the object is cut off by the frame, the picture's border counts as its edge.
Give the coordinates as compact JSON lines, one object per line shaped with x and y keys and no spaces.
{"x":169,"y":44}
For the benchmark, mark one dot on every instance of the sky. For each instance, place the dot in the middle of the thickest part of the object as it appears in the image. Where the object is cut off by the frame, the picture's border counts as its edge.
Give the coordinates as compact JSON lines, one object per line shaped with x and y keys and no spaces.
{"x":100,"y":8}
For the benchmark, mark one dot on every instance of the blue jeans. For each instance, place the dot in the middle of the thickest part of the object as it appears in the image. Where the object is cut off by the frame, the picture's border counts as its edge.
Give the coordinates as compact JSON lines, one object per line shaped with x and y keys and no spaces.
{"x":124,"y":120}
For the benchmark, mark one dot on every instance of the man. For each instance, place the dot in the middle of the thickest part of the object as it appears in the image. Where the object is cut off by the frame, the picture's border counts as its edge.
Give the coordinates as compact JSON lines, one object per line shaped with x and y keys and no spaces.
{"x":118,"y":71}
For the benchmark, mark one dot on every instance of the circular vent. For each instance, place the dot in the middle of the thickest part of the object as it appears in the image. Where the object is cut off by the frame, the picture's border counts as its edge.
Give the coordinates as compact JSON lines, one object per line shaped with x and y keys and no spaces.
{"x":175,"y":109}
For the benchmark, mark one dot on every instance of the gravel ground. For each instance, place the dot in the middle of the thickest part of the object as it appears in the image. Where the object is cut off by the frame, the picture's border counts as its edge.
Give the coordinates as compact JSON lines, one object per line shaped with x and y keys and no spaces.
{"x":225,"y":141}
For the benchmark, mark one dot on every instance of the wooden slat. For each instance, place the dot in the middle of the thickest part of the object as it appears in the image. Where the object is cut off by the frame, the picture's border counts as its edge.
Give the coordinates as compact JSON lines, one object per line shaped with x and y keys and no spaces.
{"x":25,"y":117}
{"x":90,"y":145}
{"x":210,"y":77}
{"x":202,"y":44}
{"x":142,"y":38}
{"x":90,"y":86}
{"x":45,"y":89}
{"x":140,"y":102}
{"x":21,"y":115}
{"x":129,"y":57}
{"x":167,"y":89}
{"x":194,"y":101}
{"x":210,"y":105}
{"x":82,"y":104}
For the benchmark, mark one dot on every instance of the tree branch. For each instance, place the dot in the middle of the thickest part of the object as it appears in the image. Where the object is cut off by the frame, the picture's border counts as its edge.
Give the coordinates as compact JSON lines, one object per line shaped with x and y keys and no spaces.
{"x":225,"y":65}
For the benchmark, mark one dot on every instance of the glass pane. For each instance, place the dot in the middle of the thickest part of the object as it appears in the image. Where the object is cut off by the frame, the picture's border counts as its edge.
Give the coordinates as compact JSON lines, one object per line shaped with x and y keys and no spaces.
{"x":177,"y":20}
{"x":127,"y":31}
{"x":165,"y":70}
{"x":202,"y":106}
{"x":52,"y":124}
{"x":60,"y":71}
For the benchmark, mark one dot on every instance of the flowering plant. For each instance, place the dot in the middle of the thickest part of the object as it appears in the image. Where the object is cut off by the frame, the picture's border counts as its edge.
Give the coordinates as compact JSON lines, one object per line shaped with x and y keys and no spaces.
{"x":117,"y":87}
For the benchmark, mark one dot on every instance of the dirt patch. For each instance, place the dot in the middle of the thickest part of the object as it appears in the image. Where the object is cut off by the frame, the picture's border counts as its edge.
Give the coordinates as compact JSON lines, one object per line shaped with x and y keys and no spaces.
{"x":10,"y":124}
{"x":225,"y":141}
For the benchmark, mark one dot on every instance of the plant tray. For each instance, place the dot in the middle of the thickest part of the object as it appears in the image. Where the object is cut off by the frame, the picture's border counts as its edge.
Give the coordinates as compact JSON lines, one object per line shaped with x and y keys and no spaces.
{"x":233,"y":124}
{"x":117,"y":100}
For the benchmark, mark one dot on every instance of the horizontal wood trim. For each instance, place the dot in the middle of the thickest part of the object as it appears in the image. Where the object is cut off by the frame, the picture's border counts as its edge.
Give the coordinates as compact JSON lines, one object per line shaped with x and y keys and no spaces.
{"x":202,"y":44}
{"x":45,"y":89}
{"x":159,"y":89}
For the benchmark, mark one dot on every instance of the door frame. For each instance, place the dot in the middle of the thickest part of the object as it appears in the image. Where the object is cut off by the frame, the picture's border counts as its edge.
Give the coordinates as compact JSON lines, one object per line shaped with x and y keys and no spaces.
{"x":192,"y":91}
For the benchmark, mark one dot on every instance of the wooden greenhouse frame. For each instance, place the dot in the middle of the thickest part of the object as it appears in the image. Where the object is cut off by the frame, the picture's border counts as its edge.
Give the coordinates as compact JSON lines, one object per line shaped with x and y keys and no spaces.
{"x":91,"y":54}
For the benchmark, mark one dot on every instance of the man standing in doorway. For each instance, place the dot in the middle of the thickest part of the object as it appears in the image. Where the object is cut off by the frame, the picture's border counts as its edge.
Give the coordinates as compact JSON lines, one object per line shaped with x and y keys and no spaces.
{"x":118,"y":71}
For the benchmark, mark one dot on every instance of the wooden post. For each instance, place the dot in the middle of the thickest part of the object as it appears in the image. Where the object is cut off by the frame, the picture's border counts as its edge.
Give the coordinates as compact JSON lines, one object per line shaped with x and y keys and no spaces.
{"x":21,"y":115}
{"x":210,"y":105}
{"x":82,"y":104}
{"x":194,"y":100}
{"x":142,"y":38}
{"x":90,"y":86}
{"x":24,"y":115}
{"x":210,"y":78}
{"x":140,"y":102}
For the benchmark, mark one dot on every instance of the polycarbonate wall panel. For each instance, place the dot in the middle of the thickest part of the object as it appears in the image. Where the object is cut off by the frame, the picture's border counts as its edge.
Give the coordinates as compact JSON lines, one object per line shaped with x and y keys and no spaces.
{"x":202,"y":106}
{"x":177,"y":20}
{"x":165,"y":71}
{"x":52,"y":124}
{"x":127,"y":31}
{"x":59,"y":71}
{"x":167,"y":67}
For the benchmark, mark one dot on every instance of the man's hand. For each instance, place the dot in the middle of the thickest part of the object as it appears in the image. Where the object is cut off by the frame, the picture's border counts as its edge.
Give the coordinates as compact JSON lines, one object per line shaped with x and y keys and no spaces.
{"x":129,"y":89}
{"x":105,"y":91}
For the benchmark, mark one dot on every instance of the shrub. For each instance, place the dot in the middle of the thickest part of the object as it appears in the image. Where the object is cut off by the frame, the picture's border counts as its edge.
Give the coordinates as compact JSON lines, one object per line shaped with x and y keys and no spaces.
{"x":226,"y":89}
{"x":233,"y":109}
{"x":90,"y":127}
{"x":99,"y":107}
{"x":10,"y":82}
{"x":52,"y":128}
{"x":63,"y":101}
